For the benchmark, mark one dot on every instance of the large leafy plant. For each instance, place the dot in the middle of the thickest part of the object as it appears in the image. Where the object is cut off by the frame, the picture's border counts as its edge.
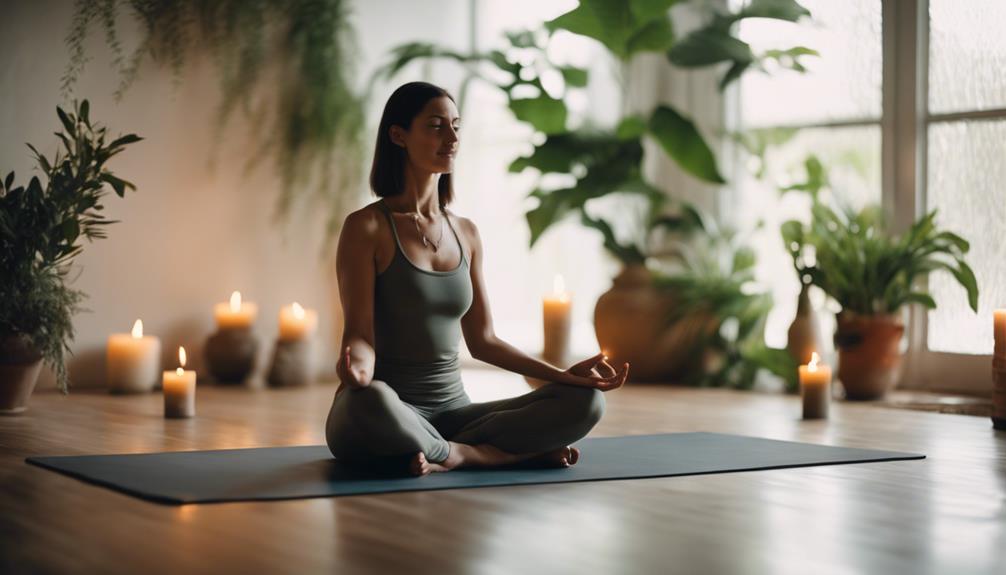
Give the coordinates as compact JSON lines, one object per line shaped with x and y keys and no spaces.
{"x":869,"y":271}
{"x":301,"y":52}
{"x":41,"y":228}
{"x":602,"y":161}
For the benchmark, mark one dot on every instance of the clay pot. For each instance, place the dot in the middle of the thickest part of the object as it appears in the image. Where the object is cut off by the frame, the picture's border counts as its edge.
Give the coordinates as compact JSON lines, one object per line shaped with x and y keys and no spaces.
{"x":231,"y":355}
{"x":630,"y":324}
{"x":869,"y":354}
{"x":20,"y":364}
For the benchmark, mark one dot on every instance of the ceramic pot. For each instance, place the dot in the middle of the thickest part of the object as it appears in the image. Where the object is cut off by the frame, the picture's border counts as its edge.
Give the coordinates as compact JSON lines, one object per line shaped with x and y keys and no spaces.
{"x":630,"y":324}
{"x":231,"y":355}
{"x":869,"y":354}
{"x":20,"y":365}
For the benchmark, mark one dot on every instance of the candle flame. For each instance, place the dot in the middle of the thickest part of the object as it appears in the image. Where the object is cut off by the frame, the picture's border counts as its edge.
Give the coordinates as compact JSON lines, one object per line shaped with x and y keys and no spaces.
{"x":558,"y":286}
{"x":138,"y":329}
{"x":181,"y":356}
{"x":236,"y":301}
{"x":298,"y":312}
{"x":814,"y":358}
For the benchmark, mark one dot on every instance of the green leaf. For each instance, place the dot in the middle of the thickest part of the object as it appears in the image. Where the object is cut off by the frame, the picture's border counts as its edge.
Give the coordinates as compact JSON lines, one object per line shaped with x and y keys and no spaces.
{"x":84,"y":109}
{"x":124,"y":140}
{"x":545,"y":114}
{"x":615,"y":23}
{"x":67,"y":123}
{"x":70,"y":229}
{"x":552,"y":207}
{"x":736,"y":71}
{"x":630,"y":127}
{"x":920,"y":298}
{"x":682,"y":141}
{"x":708,"y":46}
{"x":575,"y":77}
{"x":9,"y":181}
{"x":626,"y":254}
{"x":788,"y":10}
{"x":41,"y":160}
{"x":117,"y":184}
{"x":656,"y":36}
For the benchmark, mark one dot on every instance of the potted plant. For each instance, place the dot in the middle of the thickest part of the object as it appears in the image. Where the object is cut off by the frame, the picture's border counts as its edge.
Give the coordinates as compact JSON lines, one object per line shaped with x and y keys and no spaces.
{"x":603,"y":161}
{"x":41,"y":226}
{"x":873,"y":275}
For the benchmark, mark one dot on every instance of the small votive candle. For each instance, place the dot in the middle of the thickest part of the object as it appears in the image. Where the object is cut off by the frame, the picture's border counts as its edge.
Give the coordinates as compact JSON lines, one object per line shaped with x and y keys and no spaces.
{"x":556,"y":314}
{"x":132,"y":361}
{"x":999,"y":331}
{"x":815,"y":388}
{"x":235,"y":314}
{"x":180,"y":390}
{"x":296,"y":323}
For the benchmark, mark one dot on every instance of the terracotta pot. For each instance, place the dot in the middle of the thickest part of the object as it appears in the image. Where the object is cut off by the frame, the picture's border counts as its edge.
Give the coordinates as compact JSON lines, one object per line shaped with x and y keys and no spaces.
{"x":20,"y":364}
{"x":869,"y":354}
{"x":630,"y":324}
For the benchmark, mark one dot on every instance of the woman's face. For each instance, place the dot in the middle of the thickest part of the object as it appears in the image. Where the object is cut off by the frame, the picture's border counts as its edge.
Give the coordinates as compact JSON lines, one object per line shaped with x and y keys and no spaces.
{"x":432,"y":141}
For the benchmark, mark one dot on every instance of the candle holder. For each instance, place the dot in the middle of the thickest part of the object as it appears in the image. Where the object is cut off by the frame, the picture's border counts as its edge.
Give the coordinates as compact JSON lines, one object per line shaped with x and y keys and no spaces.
{"x":230,"y":354}
{"x":999,"y":391}
{"x":292,"y":363}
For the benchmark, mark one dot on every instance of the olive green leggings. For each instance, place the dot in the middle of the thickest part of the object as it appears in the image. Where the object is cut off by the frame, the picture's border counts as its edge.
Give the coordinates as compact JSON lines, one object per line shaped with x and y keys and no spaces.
{"x":373,"y":423}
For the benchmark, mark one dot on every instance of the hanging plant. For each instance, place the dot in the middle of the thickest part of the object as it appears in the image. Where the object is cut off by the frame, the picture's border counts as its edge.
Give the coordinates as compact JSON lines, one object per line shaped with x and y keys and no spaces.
{"x":301,"y":50}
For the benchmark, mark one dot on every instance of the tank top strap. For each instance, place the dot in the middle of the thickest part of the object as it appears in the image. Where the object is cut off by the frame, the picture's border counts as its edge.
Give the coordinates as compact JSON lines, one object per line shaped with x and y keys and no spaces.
{"x":391,"y":221}
{"x":464,"y":258}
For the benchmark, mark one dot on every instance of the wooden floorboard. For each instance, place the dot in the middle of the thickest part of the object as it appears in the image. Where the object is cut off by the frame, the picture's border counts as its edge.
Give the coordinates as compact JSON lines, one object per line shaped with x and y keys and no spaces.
{"x":944,"y":514}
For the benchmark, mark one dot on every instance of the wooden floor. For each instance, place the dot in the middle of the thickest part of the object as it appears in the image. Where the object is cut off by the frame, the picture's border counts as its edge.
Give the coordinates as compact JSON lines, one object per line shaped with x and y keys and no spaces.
{"x":943,"y":514}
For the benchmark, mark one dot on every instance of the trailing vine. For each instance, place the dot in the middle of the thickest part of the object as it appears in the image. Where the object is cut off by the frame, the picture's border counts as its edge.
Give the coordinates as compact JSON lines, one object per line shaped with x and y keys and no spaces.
{"x":302,"y":50}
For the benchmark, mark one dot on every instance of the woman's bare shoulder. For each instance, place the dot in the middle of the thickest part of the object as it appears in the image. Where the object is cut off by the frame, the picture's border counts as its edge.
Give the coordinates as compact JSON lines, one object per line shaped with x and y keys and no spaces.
{"x":365,"y":221}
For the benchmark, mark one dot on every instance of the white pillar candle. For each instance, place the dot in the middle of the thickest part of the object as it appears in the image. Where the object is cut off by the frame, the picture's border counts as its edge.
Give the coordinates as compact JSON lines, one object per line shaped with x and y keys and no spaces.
{"x":132,"y":361}
{"x":556,"y":313}
{"x":296,"y":323}
{"x":235,"y":314}
{"x":179,"y":390}
{"x":815,"y":388}
{"x":999,"y":331}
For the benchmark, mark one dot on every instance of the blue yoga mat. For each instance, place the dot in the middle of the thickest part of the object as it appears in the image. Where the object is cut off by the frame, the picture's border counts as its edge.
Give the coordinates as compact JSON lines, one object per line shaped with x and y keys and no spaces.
{"x":266,"y":473}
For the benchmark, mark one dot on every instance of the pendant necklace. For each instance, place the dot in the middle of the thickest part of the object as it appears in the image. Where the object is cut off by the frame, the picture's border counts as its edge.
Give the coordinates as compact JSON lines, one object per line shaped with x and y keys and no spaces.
{"x":427,"y":241}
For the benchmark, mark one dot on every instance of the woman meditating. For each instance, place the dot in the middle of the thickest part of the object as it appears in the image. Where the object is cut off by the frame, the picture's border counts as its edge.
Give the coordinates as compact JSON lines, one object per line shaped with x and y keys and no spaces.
{"x":411,"y":283}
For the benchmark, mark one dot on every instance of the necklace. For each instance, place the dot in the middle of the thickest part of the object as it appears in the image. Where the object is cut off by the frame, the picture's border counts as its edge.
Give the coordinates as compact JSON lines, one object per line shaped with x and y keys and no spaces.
{"x":427,"y":241}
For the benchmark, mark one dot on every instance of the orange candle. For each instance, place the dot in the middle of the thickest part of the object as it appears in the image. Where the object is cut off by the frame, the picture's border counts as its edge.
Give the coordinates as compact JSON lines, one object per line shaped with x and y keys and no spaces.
{"x":132,"y":360}
{"x":815,"y":388}
{"x":180,"y":390}
{"x":296,"y":323}
{"x":556,"y":310}
{"x":236,"y":314}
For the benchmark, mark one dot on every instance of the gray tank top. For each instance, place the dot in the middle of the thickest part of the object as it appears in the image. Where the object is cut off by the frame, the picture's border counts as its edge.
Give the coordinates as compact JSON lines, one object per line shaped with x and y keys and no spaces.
{"x":417,"y":328}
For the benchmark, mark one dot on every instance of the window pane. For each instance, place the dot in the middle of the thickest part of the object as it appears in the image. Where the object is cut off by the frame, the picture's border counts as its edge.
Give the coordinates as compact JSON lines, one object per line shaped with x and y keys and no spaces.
{"x":843,"y":83}
{"x":852,"y":158}
{"x":967,"y":54}
{"x":966,"y":175}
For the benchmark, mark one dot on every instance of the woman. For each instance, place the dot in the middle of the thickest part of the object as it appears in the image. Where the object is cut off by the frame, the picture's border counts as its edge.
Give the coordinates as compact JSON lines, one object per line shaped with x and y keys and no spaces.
{"x":411,"y":282}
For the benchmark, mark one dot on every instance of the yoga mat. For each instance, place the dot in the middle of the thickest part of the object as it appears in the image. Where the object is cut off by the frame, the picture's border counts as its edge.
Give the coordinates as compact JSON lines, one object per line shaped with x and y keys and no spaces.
{"x":265,"y":473}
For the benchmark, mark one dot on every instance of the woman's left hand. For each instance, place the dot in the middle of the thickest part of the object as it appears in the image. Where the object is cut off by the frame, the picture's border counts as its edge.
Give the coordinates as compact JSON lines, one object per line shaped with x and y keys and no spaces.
{"x":598,"y":373}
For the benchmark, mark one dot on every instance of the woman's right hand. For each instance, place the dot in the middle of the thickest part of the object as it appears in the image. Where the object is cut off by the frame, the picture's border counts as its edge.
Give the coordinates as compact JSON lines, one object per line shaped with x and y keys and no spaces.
{"x":596,"y":372}
{"x":353,"y":375}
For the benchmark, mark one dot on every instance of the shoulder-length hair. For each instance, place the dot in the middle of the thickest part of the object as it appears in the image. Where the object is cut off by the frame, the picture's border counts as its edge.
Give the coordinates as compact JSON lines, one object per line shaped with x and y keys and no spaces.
{"x":387,"y":173}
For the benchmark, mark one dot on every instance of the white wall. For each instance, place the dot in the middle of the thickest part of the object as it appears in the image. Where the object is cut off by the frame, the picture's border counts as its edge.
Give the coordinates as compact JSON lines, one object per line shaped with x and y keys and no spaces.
{"x":191,"y":233}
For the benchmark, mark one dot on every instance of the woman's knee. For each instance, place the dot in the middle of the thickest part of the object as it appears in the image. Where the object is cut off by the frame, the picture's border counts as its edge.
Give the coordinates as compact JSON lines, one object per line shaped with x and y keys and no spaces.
{"x":588,"y":403}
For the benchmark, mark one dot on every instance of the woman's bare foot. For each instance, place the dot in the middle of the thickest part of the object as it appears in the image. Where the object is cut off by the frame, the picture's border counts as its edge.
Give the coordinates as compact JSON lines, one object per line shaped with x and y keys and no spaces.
{"x":485,"y":455}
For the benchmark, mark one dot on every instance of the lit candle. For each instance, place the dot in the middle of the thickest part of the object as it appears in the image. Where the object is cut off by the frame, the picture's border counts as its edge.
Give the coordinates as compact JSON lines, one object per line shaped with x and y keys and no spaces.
{"x":236,"y":314}
{"x":179,"y":390}
{"x":999,"y":331}
{"x":132,"y":361}
{"x":815,"y":388}
{"x":296,"y":323}
{"x":556,"y":313}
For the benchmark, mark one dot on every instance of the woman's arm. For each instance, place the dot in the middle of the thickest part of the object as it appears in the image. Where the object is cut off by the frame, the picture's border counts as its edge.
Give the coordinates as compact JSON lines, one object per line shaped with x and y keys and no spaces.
{"x":481,"y":339}
{"x":356,"y":270}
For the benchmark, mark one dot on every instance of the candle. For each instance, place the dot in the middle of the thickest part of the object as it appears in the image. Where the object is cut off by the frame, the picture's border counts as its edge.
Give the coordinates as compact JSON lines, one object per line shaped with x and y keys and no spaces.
{"x":296,"y":323}
{"x":999,"y":331}
{"x":179,"y":390}
{"x":236,"y":314}
{"x":556,"y":313}
{"x":815,"y":388}
{"x":132,"y":361}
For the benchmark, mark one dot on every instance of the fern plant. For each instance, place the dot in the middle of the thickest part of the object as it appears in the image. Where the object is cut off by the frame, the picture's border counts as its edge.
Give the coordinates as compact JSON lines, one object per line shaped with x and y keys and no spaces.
{"x":41,"y":228}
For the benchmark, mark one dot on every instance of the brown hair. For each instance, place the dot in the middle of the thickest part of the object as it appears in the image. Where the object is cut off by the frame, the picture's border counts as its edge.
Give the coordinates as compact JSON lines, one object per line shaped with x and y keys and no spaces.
{"x":388,"y":168}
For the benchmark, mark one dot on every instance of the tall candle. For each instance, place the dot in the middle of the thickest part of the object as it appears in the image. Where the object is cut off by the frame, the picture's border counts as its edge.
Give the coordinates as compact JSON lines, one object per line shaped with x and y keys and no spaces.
{"x":999,"y":331}
{"x":235,"y":314}
{"x":556,"y":313}
{"x":815,"y":388}
{"x":180,"y":390}
{"x":296,"y":323}
{"x":132,"y":361}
